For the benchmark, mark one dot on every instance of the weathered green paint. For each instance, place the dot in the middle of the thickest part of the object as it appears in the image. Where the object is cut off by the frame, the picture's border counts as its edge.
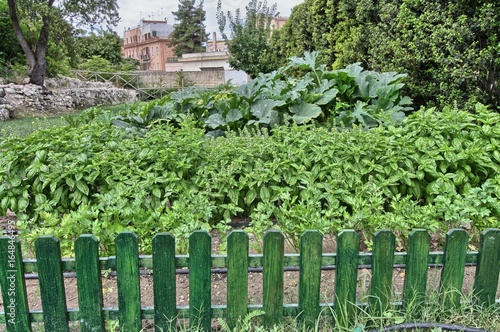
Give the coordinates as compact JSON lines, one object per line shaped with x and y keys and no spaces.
{"x":48,"y":256}
{"x":163,"y":262}
{"x":384,"y":244}
{"x":488,"y":267}
{"x":416,"y":270}
{"x":200,"y":244}
{"x":13,"y":286}
{"x":311,"y":247}
{"x":274,"y":247}
{"x":237,"y":277}
{"x":452,"y":275}
{"x":88,"y":278}
{"x":346,"y":277}
{"x":127,"y":271}
{"x":164,"y":282}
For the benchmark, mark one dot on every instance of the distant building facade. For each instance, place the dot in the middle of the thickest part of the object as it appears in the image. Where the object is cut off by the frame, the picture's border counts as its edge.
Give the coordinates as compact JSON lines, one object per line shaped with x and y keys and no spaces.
{"x":148,"y":43}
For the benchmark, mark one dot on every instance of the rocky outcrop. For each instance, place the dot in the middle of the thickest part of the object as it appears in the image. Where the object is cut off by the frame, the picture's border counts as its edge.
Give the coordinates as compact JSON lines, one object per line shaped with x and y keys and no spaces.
{"x":61,"y":95}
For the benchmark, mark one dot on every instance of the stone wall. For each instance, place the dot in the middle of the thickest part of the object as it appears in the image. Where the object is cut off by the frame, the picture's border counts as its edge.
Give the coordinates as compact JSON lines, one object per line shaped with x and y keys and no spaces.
{"x":205,"y":78}
{"x":62,"y":95}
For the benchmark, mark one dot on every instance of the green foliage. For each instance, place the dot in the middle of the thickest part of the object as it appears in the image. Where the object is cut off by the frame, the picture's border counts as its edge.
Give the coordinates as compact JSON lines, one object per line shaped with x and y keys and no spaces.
{"x":249,"y":43}
{"x":37,"y":23}
{"x":104,"y":44}
{"x":449,"y":49}
{"x":245,"y":325}
{"x":301,"y":92}
{"x":437,"y":170}
{"x":189,"y":31}
{"x":97,"y":63}
{"x":10,"y":50}
{"x":129,"y":64}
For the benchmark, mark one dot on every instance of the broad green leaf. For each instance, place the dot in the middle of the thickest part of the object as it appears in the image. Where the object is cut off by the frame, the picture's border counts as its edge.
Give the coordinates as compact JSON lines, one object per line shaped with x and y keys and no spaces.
{"x":304,"y":112}
{"x":308,"y":61}
{"x":251,"y":195}
{"x":16,"y":181}
{"x":263,"y":110}
{"x":327,"y":97}
{"x":82,"y":187}
{"x":398,"y":117}
{"x":233,"y":115}
{"x":215,"y":120}
{"x":353,"y":70}
{"x":70,"y":182}
{"x":156,"y":192}
{"x":56,"y":196}
{"x":249,"y":90}
{"x":265,"y":196}
{"x":22,"y":204}
{"x":40,"y":199}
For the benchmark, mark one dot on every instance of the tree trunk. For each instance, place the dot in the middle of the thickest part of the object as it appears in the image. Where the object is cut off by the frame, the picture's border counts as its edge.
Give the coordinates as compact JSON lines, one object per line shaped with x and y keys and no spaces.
{"x":37,"y":74}
{"x":36,"y":59}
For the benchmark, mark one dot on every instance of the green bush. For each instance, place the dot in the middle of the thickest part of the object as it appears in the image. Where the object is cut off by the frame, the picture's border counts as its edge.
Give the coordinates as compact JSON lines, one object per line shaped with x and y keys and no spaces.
{"x":97,"y":63}
{"x":436,"y":171}
{"x":300,"y":92}
{"x":449,"y":49}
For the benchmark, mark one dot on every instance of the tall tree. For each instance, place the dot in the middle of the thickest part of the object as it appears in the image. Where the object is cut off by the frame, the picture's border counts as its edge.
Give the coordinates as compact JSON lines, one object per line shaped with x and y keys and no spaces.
{"x":449,"y":49}
{"x":189,"y":33}
{"x":105,"y":44}
{"x":47,"y":13}
{"x":294,"y":38}
{"x":249,"y":45}
{"x":9,"y":47}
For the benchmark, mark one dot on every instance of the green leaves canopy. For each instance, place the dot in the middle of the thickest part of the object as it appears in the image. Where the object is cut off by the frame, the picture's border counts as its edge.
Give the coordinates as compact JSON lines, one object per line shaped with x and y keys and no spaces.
{"x":250,"y":37}
{"x":300,"y":92}
{"x":42,"y":16}
{"x":449,"y":49}
{"x":189,"y":33}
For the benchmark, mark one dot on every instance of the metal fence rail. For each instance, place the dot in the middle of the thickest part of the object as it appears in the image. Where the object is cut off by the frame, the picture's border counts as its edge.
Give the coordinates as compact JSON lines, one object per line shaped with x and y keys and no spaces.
{"x":129,"y":80}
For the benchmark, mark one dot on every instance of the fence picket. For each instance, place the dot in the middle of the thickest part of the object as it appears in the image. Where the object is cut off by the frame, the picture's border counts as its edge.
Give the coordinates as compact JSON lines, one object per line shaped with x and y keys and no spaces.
{"x":346,"y":276}
{"x":164,"y":282}
{"x":311,"y":248}
{"x":50,"y":277}
{"x":200,"y":260}
{"x":88,"y":278}
{"x":127,"y":272}
{"x":13,"y":286}
{"x":237,"y":277}
{"x":273,"y":279}
{"x":452,"y":275}
{"x":384,"y":244}
{"x":200,"y":312}
{"x":488,"y":267}
{"x":416,"y":269}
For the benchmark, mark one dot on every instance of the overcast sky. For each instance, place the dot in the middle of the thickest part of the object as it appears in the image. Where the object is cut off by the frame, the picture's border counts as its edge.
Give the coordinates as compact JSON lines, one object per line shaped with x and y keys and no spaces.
{"x":132,"y":11}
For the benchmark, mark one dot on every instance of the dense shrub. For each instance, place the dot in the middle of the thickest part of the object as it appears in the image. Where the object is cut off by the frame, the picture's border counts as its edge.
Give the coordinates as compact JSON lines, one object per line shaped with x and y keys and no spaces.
{"x":449,"y":49}
{"x":301,"y":92}
{"x":435,"y":171}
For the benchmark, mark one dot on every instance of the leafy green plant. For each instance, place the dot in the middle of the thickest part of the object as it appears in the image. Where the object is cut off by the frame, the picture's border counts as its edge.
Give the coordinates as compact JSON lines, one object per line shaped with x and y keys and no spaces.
{"x":435,"y":171}
{"x":300,"y":92}
{"x":243,"y":325}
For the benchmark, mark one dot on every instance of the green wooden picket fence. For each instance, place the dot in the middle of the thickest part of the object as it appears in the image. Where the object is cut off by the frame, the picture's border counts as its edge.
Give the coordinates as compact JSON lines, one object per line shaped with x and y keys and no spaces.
{"x":163,"y":262}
